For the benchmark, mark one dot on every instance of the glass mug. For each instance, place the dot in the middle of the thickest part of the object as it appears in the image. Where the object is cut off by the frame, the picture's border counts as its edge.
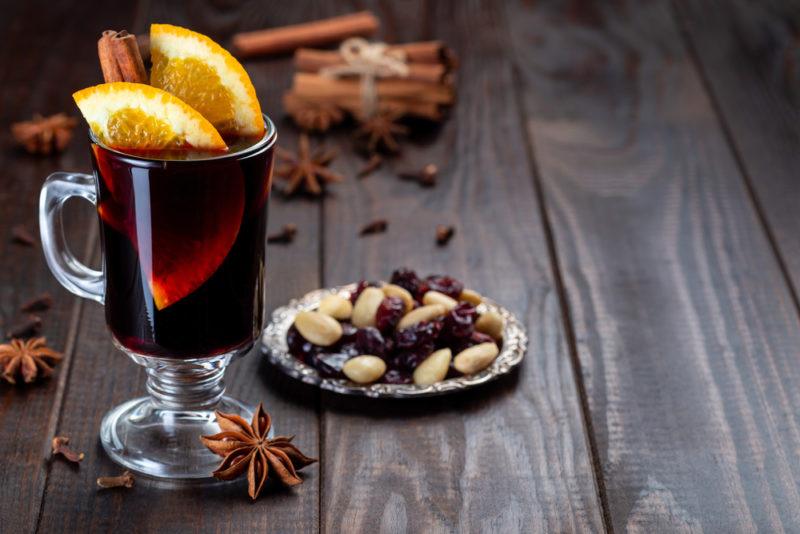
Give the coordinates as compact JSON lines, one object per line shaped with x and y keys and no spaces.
{"x":182,"y":283}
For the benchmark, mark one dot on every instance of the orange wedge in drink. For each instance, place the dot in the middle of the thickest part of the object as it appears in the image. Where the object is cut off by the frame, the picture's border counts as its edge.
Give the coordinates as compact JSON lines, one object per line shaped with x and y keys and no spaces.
{"x":207,"y":77}
{"x":137,"y":116}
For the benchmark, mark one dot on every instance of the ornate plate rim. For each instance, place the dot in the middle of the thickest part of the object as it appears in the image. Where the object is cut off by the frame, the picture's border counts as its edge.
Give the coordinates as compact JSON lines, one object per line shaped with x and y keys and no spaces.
{"x":273,"y":338}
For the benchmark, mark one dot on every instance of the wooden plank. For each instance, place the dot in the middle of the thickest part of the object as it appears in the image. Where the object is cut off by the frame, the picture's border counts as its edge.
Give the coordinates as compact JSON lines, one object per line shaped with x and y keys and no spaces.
{"x":102,"y":377}
{"x":687,"y":333}
{"x":507,"y":457}
{"x":749,"y":54}
{"x":36,"y":76}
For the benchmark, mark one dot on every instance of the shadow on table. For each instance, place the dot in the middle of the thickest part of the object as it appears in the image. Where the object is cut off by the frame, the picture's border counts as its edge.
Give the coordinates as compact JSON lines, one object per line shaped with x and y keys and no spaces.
{"x":470,"y":400}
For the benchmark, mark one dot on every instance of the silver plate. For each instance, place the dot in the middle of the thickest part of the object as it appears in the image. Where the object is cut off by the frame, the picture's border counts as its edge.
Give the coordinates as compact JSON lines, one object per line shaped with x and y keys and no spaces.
{"x":274,"y":346}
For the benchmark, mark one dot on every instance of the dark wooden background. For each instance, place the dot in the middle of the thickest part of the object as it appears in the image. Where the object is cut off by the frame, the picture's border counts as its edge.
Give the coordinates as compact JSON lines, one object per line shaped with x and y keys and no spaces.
{"x":623,"y":175}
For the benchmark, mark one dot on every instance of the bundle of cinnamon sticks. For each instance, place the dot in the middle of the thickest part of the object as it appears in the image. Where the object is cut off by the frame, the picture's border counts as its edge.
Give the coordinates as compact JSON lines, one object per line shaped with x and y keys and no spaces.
{"x":426,"y":90}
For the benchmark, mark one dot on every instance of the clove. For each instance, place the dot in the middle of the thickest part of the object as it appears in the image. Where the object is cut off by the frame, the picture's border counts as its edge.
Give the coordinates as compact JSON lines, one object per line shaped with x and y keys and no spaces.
{"x":375,"y":227}
{"x":41,"y":303}
{"x":25,"y":328}
{"x":372,"y":165}
{"x":22,"y":236}
{"x":285,"y":236}
{"x":125,"y":480}
{"x":444,"y":234}
{"x":426,"y":177}
{"x":60,"y":446}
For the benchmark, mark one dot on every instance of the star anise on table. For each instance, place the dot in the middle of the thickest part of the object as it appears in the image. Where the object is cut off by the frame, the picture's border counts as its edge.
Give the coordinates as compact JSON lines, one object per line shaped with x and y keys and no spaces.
{"x":247,"y":447}
{"x":313,"y":116}
{"x":379,"y":131}
{"x":27,"y":358}
{"x":306,"y":168}
{"x":44,"y":135}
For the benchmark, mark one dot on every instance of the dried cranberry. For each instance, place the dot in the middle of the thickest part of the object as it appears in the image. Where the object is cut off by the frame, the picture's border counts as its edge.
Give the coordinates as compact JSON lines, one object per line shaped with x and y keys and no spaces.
{"x":298,"y":346}
{"x":362,"y":285}
{"x":459,"y":322}
{"x":408,"y":279}
{"x":475,"y":339}
{"x":389,"y":314}
{"x":370,"y":341}
{"x":395,"y":376}
{"x":444,"y":284}
{"x":414,"y":344}
{"x":348,"y":333}
{"x":329,"y":365}
{"x":478,"y":337}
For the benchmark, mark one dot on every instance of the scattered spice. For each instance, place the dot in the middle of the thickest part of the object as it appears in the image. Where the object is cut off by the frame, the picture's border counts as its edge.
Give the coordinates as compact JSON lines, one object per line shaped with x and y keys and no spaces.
{"x":375,"y":161}
{"x":41,"y":303}
{"x":306,"y":168}
{"x":246,"y":447}
{"x":25,"y":327}
{"x":28,"y":359}
{"x":443,"y":234}
{"x":312,"y":115}
{"x":380,"y":130}
{"x":22,"y":236}
{"x":285,"y":236}
{"x":375,"y":227}
{"x":125,"y":480}
{"x":426,"y":177}
{"x":60,"y":446}
{"x":44,"y":135}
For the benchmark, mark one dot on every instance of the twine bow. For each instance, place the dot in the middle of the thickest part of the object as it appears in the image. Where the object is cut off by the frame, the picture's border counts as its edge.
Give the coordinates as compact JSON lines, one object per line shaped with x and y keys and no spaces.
{"x":369,"y":61}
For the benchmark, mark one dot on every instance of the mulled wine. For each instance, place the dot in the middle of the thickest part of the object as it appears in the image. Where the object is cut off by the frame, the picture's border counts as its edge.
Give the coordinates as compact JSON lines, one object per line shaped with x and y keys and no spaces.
{"x":183,"y":236}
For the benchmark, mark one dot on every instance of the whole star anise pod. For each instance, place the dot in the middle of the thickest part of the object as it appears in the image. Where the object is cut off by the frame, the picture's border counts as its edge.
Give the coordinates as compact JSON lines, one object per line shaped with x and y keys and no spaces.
{"x":247,"y":448}
{"x":306,"y":168}
{"x":313,"y":116}
{"x":28,"y":358}
{"x":379,"y":131}
{"x":44,"y":135}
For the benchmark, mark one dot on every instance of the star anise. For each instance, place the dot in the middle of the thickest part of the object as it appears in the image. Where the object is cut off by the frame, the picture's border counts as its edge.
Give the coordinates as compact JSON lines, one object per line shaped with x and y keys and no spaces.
{"x":379,"y":131}
{"x":313,"y":116}
{"x":43,"y":135}
{"x":306,"y":168}
{"x":247,"y":448}
{"x":27,"y":358}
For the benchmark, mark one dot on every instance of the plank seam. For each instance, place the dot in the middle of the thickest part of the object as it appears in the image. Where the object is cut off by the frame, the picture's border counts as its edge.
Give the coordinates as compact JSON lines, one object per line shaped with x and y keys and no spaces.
{"x":66,"y":373}
{"x":682,"y":24}
{"x":566,"y":315}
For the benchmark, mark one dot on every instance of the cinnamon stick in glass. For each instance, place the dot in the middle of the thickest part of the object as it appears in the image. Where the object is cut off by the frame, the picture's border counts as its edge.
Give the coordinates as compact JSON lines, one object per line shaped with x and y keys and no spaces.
{"x":320,"y":32}
{"x":120,"y":58}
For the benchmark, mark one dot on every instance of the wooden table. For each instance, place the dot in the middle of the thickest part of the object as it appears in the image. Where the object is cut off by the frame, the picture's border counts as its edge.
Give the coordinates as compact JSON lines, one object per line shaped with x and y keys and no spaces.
{"x":622,"y":175}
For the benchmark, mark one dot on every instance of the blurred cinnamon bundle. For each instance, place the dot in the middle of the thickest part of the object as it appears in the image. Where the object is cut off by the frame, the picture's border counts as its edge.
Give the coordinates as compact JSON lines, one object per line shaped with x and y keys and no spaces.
{"x":426,"y":88}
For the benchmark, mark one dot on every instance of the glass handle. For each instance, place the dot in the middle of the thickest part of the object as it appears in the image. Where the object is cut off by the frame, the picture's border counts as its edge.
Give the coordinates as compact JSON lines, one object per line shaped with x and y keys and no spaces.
{"x":73,"y":275}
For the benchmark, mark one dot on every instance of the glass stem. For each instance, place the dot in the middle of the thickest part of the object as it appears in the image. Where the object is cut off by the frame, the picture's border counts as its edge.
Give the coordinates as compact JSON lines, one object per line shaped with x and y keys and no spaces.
{"x":185,"y":385}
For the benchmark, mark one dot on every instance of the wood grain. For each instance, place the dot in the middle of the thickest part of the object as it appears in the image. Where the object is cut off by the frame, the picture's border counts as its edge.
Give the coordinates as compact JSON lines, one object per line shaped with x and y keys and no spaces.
{"x":508,"y":457}
{"x":36,"y":81}
{"x":749,"y":54}
{"x":103,"y":377}
{"x":685,"y":328}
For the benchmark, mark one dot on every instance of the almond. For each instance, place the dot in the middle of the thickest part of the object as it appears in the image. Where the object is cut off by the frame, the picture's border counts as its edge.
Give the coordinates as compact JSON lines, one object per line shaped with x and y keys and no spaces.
{"x":491,"y":324}
{"x":471,"y":296}
{"x":435,"y":297}
{"x":364,"y":369}
{"x":365,"y":307}
{"x":392,"y":290}
{"x":318,"y":328}
{"x":423,"y":313}
{"x":476,"y":358}
{"x":434,"y":368}
{"x":336,"y":306}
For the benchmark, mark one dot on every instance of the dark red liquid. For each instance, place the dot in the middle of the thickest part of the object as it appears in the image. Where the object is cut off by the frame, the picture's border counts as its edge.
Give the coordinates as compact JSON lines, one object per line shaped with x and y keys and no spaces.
{"x":183,"y":237}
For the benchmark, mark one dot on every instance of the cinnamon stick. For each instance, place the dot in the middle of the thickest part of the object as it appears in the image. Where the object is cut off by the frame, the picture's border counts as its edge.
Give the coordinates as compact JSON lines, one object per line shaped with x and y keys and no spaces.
{"x":120,"y":58}
{"x":320,"y":32}
{"x":427,"y":52}
{"x":314,"y":86}
{"x":312,"y":60}
{"x":354,"y":104}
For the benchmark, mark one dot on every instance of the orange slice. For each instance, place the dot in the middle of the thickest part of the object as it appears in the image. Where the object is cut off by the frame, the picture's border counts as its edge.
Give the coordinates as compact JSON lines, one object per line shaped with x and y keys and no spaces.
{"x":207,"y":77}
{"x":137,"y":116}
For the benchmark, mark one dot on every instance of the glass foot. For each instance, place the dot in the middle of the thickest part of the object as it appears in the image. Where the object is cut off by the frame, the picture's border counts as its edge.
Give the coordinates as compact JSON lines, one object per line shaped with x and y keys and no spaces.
{"x":159,"y":435}
{"x":162,"y":443}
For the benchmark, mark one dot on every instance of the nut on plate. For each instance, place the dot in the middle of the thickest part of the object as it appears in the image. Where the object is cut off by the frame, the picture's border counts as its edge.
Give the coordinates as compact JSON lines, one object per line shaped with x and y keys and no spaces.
{"x":476,"y":358}
{"x":392,"y":290}
{"x":423,"y":313}
{"x":366,"y":307}
{"x":364,"y":369}
{"x":336,"y":306}
{"x":433,"y":368}
{"x":471,"y":296}
{"x":435,"y":297}
{"x":491,"y":324}
{"x":318,"y":328}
